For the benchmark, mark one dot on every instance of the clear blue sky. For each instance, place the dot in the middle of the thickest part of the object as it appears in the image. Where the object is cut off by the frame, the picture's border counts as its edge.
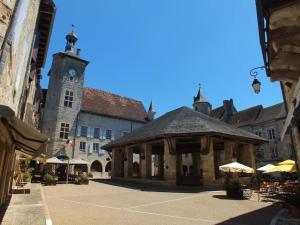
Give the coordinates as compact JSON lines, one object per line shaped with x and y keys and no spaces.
{"x":162,"y":49}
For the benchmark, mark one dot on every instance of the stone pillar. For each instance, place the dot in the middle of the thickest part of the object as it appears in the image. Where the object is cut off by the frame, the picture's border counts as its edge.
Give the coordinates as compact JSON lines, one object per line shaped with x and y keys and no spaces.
{"x":126,"y":162}
{"x":250,"y":155}
{"x":113,"y":163}
{"x":229,"y":146}
{"x":170,"y":164}
{"x":196,"y":163}
{"x":5,"y":180}
{"x":208,"y":164}
{"x":146,"y":163}
{"x":129,"y":161}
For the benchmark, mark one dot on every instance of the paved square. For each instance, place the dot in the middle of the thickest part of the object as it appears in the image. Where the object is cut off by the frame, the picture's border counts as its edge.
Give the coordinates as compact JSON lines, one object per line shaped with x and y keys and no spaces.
{"x":107,"y":204}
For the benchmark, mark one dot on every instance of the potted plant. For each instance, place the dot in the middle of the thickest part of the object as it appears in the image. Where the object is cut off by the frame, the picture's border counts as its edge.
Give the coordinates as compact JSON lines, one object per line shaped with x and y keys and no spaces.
{"x":234,"y":190}
{"x":90,"y":175}
{"x":293,"y":202}
{"x":82,"y":179}
{"x":27,"y":176}
{"x":50,"y":179}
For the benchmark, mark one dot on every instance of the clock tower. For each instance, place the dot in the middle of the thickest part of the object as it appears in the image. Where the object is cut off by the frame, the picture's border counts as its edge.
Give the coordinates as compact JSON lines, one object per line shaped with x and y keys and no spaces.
{"x":64,"y":94}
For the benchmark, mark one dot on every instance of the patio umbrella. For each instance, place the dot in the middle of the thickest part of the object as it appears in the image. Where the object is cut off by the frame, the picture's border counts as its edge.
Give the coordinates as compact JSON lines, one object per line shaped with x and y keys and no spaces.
{"x":78,"y":162}
{"x":285,"y":166}
{"x":54,"y":160}
{"x":236,"y":167}
{"x":266,"y":167}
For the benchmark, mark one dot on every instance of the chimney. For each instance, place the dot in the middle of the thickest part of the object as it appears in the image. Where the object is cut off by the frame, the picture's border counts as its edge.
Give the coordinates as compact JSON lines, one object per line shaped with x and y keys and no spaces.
{"x":228,"y":110}
{"x":78,"y":52}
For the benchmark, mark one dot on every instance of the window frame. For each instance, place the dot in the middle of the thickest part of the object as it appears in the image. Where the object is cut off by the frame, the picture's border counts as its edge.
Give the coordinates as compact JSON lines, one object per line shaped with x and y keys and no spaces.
{"x":82,"y":144}
{"x":64,"y":130}
{"x":271,"y":134}
{"x":96,"y":150}
{"x":68,"y":99}
{"x":107,"y":136}
{"x":99,"y":133}
{"x":81,"y":131}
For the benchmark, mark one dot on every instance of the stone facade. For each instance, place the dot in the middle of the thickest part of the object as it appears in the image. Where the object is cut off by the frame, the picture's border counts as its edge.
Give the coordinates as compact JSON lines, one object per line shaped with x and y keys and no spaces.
{"x":79,"y":120}
{"x":24,"y":38}
{"x":265,"y":122}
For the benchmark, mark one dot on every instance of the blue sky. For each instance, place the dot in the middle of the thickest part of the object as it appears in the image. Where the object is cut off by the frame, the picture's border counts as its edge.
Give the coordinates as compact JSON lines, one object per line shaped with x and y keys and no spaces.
{"x":161,"y":50}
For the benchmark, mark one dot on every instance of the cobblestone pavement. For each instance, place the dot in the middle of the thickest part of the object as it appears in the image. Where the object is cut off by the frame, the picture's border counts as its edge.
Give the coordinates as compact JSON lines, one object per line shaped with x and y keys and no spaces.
{"x":104,"y":203}
{"x":26,"y":209}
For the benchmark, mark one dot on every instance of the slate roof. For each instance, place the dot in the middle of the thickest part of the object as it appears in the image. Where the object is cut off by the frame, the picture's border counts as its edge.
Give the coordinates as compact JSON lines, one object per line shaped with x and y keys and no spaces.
{"x":217,"y":113}
{"x":271,"y":113}
{"x":246,"y":117}
{"x":180,"y":122}
{"x":112,"y":105}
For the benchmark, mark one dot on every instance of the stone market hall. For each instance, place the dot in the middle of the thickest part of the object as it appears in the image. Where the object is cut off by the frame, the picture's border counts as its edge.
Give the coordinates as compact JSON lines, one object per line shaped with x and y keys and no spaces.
{"x":182,"y":147}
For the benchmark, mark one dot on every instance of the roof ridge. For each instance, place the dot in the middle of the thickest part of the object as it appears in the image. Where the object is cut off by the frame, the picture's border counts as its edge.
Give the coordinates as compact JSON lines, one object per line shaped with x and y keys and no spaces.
{"x":256,"y":106}
{"x":107,"y":92}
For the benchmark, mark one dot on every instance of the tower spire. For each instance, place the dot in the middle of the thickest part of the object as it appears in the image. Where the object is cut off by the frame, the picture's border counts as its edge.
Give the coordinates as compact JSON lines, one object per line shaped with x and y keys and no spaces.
{"x":71,"y":40}
{"x":151,"y":113}
{"x":200,"y":103}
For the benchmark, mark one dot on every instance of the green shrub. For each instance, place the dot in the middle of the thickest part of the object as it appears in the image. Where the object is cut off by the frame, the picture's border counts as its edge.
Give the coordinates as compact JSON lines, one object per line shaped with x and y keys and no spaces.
{"x":82,"y":178}
{"x":234,"y":190}
{"x":90,"y":175}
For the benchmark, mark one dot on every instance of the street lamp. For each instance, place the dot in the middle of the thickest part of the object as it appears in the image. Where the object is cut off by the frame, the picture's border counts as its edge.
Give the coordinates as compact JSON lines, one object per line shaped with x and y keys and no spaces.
{"x":256,"y":83}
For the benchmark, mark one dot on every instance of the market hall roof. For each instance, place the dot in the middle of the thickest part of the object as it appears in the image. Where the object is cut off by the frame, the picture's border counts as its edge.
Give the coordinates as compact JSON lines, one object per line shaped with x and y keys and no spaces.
{"x":112,"y":105}
{"x":180,"y":122}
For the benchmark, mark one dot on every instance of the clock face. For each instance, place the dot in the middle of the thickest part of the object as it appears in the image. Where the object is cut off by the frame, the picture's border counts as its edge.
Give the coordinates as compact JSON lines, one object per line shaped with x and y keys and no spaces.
{"x":72,"y":72}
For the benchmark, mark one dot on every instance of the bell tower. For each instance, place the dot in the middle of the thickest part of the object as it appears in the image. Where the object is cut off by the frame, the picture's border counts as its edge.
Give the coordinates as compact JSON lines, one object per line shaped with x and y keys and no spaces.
{"x":64,"y":94}
{"x":200,"y":103}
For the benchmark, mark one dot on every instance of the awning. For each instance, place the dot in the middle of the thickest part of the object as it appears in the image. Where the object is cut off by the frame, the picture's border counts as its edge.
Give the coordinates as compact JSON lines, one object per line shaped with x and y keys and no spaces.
{"x":54,"y":160}
{"x":27,"y":139}
{"x":266,"y":167}
{"x":293,"y":108}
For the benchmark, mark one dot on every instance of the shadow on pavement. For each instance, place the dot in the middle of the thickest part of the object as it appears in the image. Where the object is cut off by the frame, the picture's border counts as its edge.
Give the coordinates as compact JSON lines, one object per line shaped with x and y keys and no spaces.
{"x":153,"y":187}
{"x":4,"y":208}
{"x":261,"y":216}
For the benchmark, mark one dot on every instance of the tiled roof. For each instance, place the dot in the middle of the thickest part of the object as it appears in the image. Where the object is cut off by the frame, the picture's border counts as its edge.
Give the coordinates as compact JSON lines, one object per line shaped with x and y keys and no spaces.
{"x":246,"y":117}
{"x":271,"y":113}
{"x":112,"y":105}
{"x":183,"y":121}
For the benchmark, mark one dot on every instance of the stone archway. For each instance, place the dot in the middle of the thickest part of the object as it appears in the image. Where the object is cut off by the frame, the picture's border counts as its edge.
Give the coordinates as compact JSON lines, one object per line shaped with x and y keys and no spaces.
{"x":108,"y":167}
{"x":96,"y":166}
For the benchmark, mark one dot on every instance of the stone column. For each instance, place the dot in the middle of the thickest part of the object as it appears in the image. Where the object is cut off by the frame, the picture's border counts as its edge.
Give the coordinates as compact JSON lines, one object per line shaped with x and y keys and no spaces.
{"x":170,"y":164}
{"x":249,"y":155}
{"x":229,"y":146}
{"x":129,"y":162}
{"x":208,"y":164}
{"x":113,"y":163}
{"x":146,"y":163}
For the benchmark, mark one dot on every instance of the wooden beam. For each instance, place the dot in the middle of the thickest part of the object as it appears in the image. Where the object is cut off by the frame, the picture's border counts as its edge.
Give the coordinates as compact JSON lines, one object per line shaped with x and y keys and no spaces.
{"x":284,"y":75}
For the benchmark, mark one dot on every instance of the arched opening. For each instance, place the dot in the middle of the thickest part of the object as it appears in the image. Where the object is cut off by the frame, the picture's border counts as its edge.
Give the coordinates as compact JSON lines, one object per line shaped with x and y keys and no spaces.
{"x":96,"y":166}
{"x":108,"y":167}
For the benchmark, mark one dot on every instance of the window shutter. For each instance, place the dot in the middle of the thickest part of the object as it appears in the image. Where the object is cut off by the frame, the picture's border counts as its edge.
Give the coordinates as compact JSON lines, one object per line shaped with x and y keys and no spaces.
{"x":88,"y":132}
{"x":102,"y":134}
{"x":78,"y":131}
{"x":112,"y":135}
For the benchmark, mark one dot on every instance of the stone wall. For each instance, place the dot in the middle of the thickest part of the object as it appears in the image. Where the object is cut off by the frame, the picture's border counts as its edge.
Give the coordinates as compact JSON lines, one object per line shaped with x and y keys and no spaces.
{"x":16,"y":44}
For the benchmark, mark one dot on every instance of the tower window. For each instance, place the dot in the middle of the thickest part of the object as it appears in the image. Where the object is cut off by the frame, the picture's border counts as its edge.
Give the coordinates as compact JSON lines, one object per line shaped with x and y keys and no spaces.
{"x":68,"y":99}
{"x":64,"y":130}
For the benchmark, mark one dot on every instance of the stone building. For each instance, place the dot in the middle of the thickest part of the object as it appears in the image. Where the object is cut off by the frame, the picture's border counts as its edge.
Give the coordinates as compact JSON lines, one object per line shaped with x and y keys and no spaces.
{"x":265,"y":122}
{"x":279,"y":39}
{"x":79,"y":120}
{"x":25,"y":30}
{"x":163,"y":144}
